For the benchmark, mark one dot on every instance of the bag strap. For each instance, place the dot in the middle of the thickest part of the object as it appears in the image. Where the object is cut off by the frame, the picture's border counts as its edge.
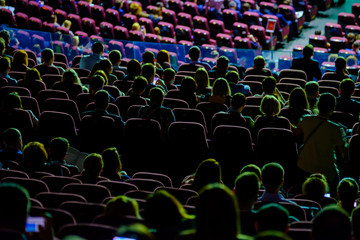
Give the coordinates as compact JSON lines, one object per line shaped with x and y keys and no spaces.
{"x":313,"y":131}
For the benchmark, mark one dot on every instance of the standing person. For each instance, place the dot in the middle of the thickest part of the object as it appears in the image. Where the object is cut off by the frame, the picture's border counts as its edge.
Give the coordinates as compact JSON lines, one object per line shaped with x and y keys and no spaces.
{"x":321,"y":138}
{"x":308,"y":65}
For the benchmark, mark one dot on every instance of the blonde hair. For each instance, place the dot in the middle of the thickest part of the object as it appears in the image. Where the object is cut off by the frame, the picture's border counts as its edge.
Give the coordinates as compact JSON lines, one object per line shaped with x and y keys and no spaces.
{"x":136,"y":26}
{"x":135,"y":8}
{"x":221,"y":88}
{"x":202,"y":78}
{"x":270,"y":106}
{"x":20,"y":56}
{"x":70,"y":77}
{"x":67,"y":24}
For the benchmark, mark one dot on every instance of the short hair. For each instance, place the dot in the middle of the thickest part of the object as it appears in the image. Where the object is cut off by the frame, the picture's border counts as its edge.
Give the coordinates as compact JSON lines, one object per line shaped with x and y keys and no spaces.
{"x":259,"y":61}
{"x":222,"y":62}
{"x":269,"y":84}
{"x":331,"y":223}
{"x":308,"y":51}
{"x":70,"y":76}
{"x":326,"y":103}
{"x":96,"y":82}
{"x":194,"y":53}
{"x":272,"y":175}
{"x":11,"y":136}
{"x":121,"y":206}
{"x":11,"y":100}
{"x":58,"y":147}
{"x":169,"y":75}
{"x":315,"y":186}
{"x":347,"y":87}
{"x":148,"y":57}
{"x":232,"y":76}
{"x":340,"y":63}
{"x":221,"y":87}
{"x":5,"y":35}
{"x":115,"y":56}
{"x":188,"y":84}
{"x":47,"y":54}
{"x":111,"y":160}
{"x":5,"y":64}
{"x":2,"y":46}
{"x":134,"y":67}
{"x":148,"y":70}
{"x":20,"y":57}
{"x":140,"y":83}
{"x":97,"y":47}
{"x":156,"y":95}
{"x":102,"y":99}
{"x":270,"y":105}
{"x":163,"y":56}
{"x":312,"y":89}
{"x":247,"y":187}
{"x":251,"y":168}
{"x":93,"y":163}
{"x":348,"y":190}
{"x":34,"y":155}
{"x":238,"y":100}
{"x":32,"y":75}
{"x":14,"y":205}
{"x":265,"y":217}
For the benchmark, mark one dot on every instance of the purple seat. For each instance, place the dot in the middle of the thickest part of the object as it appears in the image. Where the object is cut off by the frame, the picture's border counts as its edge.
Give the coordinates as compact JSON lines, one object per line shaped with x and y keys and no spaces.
{"x":93,"y":193}
{"x":191,"y":8}
{"x":201,"y":23}
{"x":89,"y":26}
{"x":147,"y":23}
{"x":84,"y":9}
{"x":185,"y":19}
{"x":22,"y":6}
{"x":121,"y":33}
{"x":35,"y":24}
{"x":117,"y":188}
{"x":49,"y":27}
{"x":6,"y":17}
{"x":169,"y":16}
{"x":63,"y":105}
{"x":22,"y":20}
{"x":183,"y":33}
{"x":75,"y":22}
{"x":166,"y":29}
{"x":98,"y":14}
{"x":55,"y":199}
{"x":46,"y":11}
{"x":34,"y":186}
{"x":229,"y":16}
{"x":112,"y":16}
{"x":34,"y":9}
{"x":82,"y":212}
{"x":106,"y":30}
{"x":164,"y":179}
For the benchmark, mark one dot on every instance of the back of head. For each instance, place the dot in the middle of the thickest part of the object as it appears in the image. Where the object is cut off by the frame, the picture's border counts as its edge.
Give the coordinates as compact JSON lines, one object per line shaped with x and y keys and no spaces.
{"x":327,"y":103}
{"x":208,"y":171}
{"x":111,"y":160}
{"x":269,"y":85}
{"x":347,"y":87}
{"x":238,"y":100}
{"x":232,"y":77}
{"x":259,"y":62}
{"x":96,"y":83}
{"x":134,"y":67}
{"x":58,"y":148}
{"x":188,"y":85}
{"x":202,"y":78}
{"x":34,"y":156}
{"x":5,"y":64}
{"x":70,"y":77}
{"x":47,"y":55}
{"x":121,"y":206}
{"x":163,"y":56}
{"x":14,"y":207}
{"x":102,"y":99}
{"x":265,"y":218}
{"x":315,"y":187}
{"x":217,"y":213}
{"x":298,"y":99}
{"x":32,"y":74}
{"x":137,"y":230}
{"x":2,"y":46}
{"x":105,"y":65}
{"x":169,"y":75}
{"x":251,"y":168}
{"x":272,"y":176}
{"x":340,"y":64}
{"x":312,"y":89}
{"x":247,"y":187}
{"x":222,"y":63}
{"x":156,"y":96}
{"x":115,"y":57}
{"x":93,"y":164}
{"x":348,"y":190}
{"x":97,"y":48}
{"x":20,"y":57}
{"x":148,"y":70}
{"x":148,"y":57}
{"x":139,"y":85}
{"x":221,"y":88}
{"x":308,"y":51}
{"x":11,"y":100}
{"x":270,"y":106}
{"x":5,"y":35}
{"x":12,"y":136}
{"x":194,"y":53}
{"x":331,"y":223}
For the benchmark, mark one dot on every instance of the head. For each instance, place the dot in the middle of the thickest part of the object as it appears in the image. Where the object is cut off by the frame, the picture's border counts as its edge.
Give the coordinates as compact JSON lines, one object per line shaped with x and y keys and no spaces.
{"x":208,"y":171}
{"x":135,"y":8}
{"x":221,"y":88}
{"x":269,"y":85}
{"x":265,"y":218}
{"x":202,"y":78}
{"x":326,"y":104}
{"x":148,"y":72}
{"x":14,"y":207}
{"x":272,"y":175}
{"x":315,"y":187}
{"x":222,"y":63}
{"x":136,"y":26}
{"x":102,"y":99}
{"x":238,"y":101}
{"x":115,"y":57}
{"x":70,"y":77}
{"x":122,"y":206}
{"x":97,"y":83}
{"x":169,"y":76}
{"x":194,"y":53}
{"x":308,"y":51}
{"x":355,"y":221}
{"x":111,"y":158}
{"x":356,"y":46}
{"x":5,"y":65}
{"x":52,"y":18}
{"x":93,"y":164}
{"x":247,"y":187}
{"x":232,"y":77}
{"x":47,"y":56}
{"x":350,"y":37}
{"x":20,"y":57}
{"x":156,"y":96}
{"x":270,"y":106}
{"x":32,"y":75}
{"x":312,"y":89}
{"x":105,"y":65}
{"x":245,"y":6}
{"x":163,"y":56}
{"x":139,"y":85}
{"x":4,"y":34}
{"x":12,"y":138}
{"x":97,"y":48}
{"x":331,"y":223}
{"x":188,"y":85}
{"x":11,"y":100}
{"x":340,"y":64}
{"x":259,"y":62}
{"x":347,"y":87}
{"x":137,"y":230}
{"x":347,"y":190}
{"x":148,"y":57}
{"x":67,"y":24}
{"x":34,"y":156}
{"x":162,"y":210}
{"x":298,"y":99}
{"x":58,"y":148}
{"x":232,"y":5}
{"x":252,"y":168}
{"x":2,"y":46}
{"x":217,"y":213}
{"x":134,"y":67}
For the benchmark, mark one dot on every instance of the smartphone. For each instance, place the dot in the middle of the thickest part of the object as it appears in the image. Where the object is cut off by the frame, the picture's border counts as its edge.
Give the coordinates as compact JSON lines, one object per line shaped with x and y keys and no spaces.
{"x":33,"y":224}
{"x":155,"y":80}
{"x":123,"y":238}
{"x":327,"y":195}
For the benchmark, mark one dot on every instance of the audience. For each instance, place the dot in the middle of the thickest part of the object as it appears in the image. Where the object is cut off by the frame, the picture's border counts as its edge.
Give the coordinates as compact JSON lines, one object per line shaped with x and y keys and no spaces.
{"x":112,"y":165}
{"x":12,"y":150}
{"x":307,"y":64}
{"x":93,"y":166}
{"x":20,"y":61}
{"x":220,"y":92}
{"x":5,"y":66}
{"x":312,"y":95}
{"x":202,"y":81}
{"x":195,"y":63}
{"x":220,"y":69}
{"x":70,"y":83}
{"x":88,"y":61}
{"x":348,"y":193}
{"x":258,"y":68}
{"x":47,"y":63}
{"x":32,"y":81}
{"x":169,"y":78}
{"x":269,"y":88}
{"x":235,"y":84}
{"x":115,"y":59}
{"x":265,"y":218}
{"x":344,"y":102}
{"x":237,"y":104}
{"x":133,"y":69}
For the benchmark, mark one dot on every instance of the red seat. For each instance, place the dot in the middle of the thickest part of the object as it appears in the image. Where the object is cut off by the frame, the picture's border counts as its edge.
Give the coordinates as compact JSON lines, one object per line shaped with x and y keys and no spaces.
{"x":129,"y":20}
{"x":34,"y":9}
{"x":201,"y":23}
{"x":266,"y":7}
{"x":318,"y":41}
{"x":345,"y":19}
{"x":22,"y":20}
{"x":183,"y":33}
{"x":191,"y":8}
{"x":61,"y":15}
{"x":310,"y":11}
{"x":224,"y":40}
{"x":121,"y":33}
{"x":251,"y":18}
{"x":166,"y":29}
{"x":89,"y":26}
{"x":106,"y":30}
{"x":352,"y":28}
{"x":201,"y":37}
{"x":136,"y":36}
{"x":282,"y":33}
{"x":216,"y":26}
{"x":84,"y":9}
{"x":6,"y":17}
{"x":265,"y":41}
{"x":75,"y":22}
{"x":355,"y":9}
{"x":229,"y":17}
{"x":149,"y":37}
{"x":185,"y":19}
{"x":289,"y":13}
{"x":147,"y":23}
{"x":333,"y":30}
{"x":112,"y":16}
{"x":337,"y":43}
{"x":98,"y":14}
{"x":169,"y":16}
{"x":35,"y":24}
{"x":240,"y":29}
{"x":175,"y":5}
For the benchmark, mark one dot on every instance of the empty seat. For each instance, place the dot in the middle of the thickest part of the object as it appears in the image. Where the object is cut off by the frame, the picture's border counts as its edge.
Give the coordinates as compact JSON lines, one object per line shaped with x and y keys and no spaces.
{"x":91,"y":192}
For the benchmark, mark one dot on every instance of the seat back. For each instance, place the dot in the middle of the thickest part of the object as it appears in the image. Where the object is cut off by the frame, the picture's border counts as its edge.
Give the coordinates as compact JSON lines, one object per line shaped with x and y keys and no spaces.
{"x":91,"y":192}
